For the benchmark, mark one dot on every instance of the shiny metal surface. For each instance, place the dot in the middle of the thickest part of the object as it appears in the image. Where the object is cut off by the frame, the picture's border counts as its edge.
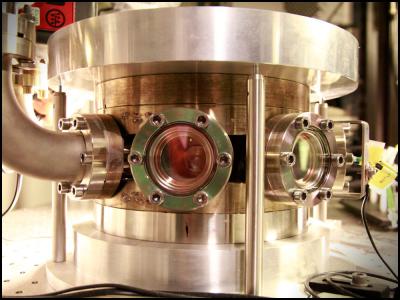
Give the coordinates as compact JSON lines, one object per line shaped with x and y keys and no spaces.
{"x":143,"y":172}
{"x":282,"y":182}
{"x":184,"y":228}
{"x":255,"y":177}
{"x":18,"y":35}
{"x":58,"y":201}
{"x":103,"y":158}
{"x":205,"y":40}
{"x":224,"y":96}
{"x":182,"y":267}
{"x":45,"y":154}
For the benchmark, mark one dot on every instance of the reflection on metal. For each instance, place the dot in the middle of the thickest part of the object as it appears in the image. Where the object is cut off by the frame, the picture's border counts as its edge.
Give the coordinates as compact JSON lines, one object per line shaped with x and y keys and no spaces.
{"x":181,"y":148}
{"x":316,"y":155}
{"x":102,"y":160}
{"x":255,"y":149}
{"x":187,"y":267}
{"x":205,"y":40}
{"x":190,"y":228}
{"x":172,"y":86}
{"x":58,"y":202}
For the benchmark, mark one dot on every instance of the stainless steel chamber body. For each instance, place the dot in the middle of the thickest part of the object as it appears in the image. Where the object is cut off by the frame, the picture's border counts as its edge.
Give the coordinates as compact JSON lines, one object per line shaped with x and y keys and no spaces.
{"x":175,"y":82}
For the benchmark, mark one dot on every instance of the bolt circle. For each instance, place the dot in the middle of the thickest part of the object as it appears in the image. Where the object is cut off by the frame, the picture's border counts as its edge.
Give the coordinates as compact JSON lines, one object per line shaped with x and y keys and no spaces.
{"x":157,"y":120}
{"x":224,"y":160}
{"x":135,"y":158}
{"x":202,"y":121}
{"x":200,"y":198}
{"x":156,"y":198}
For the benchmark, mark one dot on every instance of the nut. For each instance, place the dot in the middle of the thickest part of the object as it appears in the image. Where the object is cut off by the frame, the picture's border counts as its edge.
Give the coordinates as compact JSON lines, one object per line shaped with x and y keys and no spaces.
{"x":200,"y":198}
{"x":299,"y":196}
{"x":202,"y":121}
{"x":224,"y":159}
{"x":157,"y":120}
{"x":326,"y":124}
{"x":79,"y":190}
{"x":156,"y":197}
{"x":288,"y":158}
{"x":64,"y":123}
{"x":64,"y":187}
{"x":135,"y":158}
{"x":86,"y":158}
{"x":325,"y":194}
{"x":339,"y":158}
{"x":79,"y":123}
{"x":359,"y":279}
{"x":301,"y":123}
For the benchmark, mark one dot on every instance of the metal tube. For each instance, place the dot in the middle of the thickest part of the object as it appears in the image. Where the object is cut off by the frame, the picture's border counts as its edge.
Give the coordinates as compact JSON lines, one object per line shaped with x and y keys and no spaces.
{"x":32,"y":150}
{"x":320,"y":211}
{"x":58,"y":206}
{"x":255,"y":184}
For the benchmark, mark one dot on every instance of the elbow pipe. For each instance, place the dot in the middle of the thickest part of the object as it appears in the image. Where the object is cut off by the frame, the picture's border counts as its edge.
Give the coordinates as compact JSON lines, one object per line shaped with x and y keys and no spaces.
{"x":32,"y":150}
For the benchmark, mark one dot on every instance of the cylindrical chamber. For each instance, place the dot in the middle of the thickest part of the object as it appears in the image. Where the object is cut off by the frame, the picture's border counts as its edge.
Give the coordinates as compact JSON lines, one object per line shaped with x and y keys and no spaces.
{"x":132,"y":100}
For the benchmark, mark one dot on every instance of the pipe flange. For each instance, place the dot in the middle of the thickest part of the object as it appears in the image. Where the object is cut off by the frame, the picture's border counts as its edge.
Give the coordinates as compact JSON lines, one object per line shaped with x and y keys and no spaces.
{"x":299,"y":157}
{"x":186,"y":155}
{"x":103,"y":160}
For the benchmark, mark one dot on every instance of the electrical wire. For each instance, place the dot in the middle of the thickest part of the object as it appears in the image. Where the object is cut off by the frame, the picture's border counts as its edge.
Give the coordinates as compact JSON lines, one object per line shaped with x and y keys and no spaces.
{"x":108,"y":289}
{"x":364,"y":220}
{"x":17,"y":192}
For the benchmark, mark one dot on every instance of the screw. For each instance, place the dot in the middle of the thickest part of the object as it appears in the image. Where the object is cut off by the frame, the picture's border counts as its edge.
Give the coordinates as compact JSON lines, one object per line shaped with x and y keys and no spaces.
{"x":78,"y":190}
{"x":288,"y":158}
{"x":202,"y":121}
{"x":200,"y":198}
{"x":224,"y":159}
{"x":325,"y":194}
{"x":156,"y":198}
{"x":339,"y":158}
{"x":64,"y":123}
{"x":64,"y":187}
{"x":86,"y":158}
{"x":79,"y":123}
{"x":299,"y":196}
{"x":326,"y":124}
{"x":157,"y":120}
{"x":301,"y":123}
{"x":135,"y":158}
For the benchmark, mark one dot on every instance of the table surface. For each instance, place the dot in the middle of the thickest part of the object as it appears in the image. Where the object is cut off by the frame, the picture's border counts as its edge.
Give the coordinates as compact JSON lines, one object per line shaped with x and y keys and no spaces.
{"x":26,"y":246}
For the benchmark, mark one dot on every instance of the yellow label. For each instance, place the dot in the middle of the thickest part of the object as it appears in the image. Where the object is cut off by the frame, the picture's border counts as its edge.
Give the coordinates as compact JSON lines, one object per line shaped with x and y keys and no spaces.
{"x":375,"y":152}
{"x":383,"y":178}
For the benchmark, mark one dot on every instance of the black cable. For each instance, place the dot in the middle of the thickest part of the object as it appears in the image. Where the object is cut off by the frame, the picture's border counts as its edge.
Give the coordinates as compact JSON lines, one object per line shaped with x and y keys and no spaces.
{"x":16,"y":195}
{"x":369,"y":233}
